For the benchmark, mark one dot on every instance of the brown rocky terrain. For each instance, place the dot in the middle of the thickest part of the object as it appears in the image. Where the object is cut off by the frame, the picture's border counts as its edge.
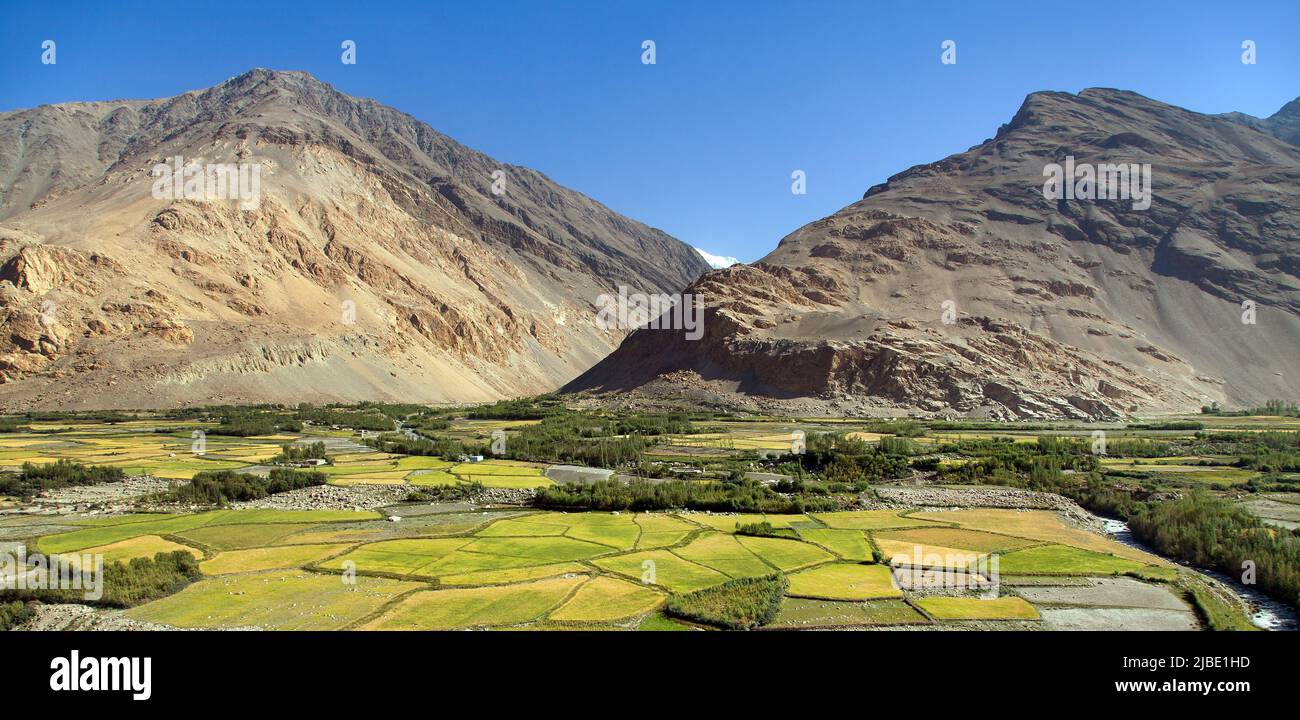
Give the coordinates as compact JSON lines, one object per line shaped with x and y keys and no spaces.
{"x":379,"y":264}
{"x":1058,"y":308}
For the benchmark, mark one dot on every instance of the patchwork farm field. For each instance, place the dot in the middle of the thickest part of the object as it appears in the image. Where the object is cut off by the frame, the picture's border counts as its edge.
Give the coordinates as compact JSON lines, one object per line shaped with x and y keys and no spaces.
{"x":438,"y":551}
{"x":275,"y":570}
{"x":177,"y":451}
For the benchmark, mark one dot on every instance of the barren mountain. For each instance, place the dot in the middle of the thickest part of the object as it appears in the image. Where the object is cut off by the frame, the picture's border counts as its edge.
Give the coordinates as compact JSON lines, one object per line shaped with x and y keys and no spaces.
{"x":378,"y":263}
{"x":1058,"y":307}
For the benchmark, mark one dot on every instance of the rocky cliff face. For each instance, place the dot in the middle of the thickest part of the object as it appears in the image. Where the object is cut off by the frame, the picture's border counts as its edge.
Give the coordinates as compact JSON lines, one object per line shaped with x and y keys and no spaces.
{"x":959,"y":288}
{"x":377,"y":262}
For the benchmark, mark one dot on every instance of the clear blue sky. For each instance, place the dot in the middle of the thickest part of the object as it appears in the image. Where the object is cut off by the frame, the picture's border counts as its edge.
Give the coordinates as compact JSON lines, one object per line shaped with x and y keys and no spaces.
{"x":702,"y":143}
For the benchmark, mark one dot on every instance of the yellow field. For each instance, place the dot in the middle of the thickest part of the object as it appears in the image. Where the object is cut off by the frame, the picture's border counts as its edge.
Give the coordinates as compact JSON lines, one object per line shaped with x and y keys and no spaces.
{"x":145,"y":546}
{"x":476,"y":607}
{"x":844,"y":581}
{"x":607,"y":599}
{"x":975,"y":608}
{"x":728,"y":523}
{"x":293,"y":600}
{"x":272,"y":558}
{"x":1038,"y":525}
{"x":900,"y":552}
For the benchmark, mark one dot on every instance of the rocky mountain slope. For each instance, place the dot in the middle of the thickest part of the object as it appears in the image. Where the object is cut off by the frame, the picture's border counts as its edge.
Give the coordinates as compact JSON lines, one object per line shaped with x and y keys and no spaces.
{"x":378,"y":263}
{"x":1055,"y":307}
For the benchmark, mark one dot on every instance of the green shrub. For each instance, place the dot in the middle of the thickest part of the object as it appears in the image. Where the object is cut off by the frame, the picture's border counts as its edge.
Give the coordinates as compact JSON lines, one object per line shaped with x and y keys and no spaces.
{"x":740,"y":604}
{"x":290,"y":452}
{"x":447,"y":493}
{"x":639,"y":495}
{"x":226,"y":486}
{"x":15,"y":613}
{"x":33,"y":478}
{"x":758,"y":529}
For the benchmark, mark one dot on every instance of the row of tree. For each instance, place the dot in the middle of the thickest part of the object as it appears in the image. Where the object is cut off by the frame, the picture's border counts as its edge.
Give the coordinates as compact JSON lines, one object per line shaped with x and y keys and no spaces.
{"x":33,"y":478}
{"x":641,"y":495}
{"x":225,"y":486}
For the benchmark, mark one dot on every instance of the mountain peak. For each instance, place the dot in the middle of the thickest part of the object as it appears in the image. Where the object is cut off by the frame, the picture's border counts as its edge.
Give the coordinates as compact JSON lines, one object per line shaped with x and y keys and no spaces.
{"x":1290,"y":110}
{"x":271,"y":75}
{"x":450,"y":287}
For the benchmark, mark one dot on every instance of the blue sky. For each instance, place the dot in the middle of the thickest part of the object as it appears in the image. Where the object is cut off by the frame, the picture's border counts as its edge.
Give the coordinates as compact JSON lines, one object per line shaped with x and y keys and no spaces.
{"x":702,"y":143}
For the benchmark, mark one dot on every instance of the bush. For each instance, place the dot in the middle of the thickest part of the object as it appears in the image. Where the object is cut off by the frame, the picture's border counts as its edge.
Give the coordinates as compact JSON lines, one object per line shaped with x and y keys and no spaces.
{"x":447,"y":493}
{"x":290,"y":452}
{"x":740,"y":604}
{"x":760,"y":529}
{"x":896,"y":446}
{"x":225,"y":486}
{"x":15,"y":613}
{"x":52,"y":476}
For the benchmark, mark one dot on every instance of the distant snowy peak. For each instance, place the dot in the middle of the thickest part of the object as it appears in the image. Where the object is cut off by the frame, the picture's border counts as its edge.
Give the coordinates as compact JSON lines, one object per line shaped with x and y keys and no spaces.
{"x":717,"y":262}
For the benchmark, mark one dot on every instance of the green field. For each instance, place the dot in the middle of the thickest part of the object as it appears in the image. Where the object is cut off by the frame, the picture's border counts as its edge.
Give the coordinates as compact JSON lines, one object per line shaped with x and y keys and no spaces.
{"x":847,"y":544}
{"x":1064,"y":560}
{"x":477,"y":607}
{"x":273,"y":601}
{"x":277,"y":569}
{"x":844,"y":581}
{"x":451,"y":564}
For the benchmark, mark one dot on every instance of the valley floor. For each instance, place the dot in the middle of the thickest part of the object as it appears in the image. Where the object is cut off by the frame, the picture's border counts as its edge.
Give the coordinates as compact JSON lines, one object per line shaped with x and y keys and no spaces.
{"x":362,"y":553}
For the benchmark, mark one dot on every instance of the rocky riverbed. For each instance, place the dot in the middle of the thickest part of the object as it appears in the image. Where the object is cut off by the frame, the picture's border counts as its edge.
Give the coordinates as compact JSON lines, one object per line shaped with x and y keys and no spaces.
{"x":331,"y":497}
{"x":83,"y":617}
{"x":109,"y":496}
